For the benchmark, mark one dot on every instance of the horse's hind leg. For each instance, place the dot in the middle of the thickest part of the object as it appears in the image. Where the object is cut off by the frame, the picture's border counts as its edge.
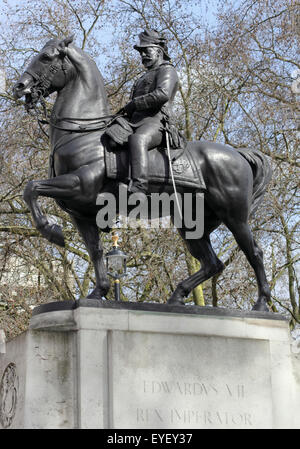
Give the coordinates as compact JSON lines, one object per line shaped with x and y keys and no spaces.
{"x":243,"y":235}
{"x":61,"y":187}
{"x":90,"y":235}
{"x":202,"y":250}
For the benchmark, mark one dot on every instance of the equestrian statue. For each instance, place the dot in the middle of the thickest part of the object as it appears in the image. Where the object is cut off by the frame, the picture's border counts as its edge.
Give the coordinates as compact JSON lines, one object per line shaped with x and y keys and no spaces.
{"x":93,"y":151}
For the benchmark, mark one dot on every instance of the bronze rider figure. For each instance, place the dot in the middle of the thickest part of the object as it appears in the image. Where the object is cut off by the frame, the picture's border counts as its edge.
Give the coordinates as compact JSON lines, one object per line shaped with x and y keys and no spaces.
{"x":150,"y":105}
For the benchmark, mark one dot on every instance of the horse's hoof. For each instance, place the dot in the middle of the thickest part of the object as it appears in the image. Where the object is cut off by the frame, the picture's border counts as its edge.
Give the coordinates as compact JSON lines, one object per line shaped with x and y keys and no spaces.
{"x":176,"y":300}
{"x":98,"y":297}
{"x":261,"y":306}
{"x":53,"y":233}
{"x":28,"y":192}
{"x":98,"y":293}
{"x":56,"y":235}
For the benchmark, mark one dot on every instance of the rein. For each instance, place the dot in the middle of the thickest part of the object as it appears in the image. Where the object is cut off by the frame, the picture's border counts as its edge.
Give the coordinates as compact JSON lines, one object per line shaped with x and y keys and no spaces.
{"x":72,"y":120}
{"x":81,"y":128}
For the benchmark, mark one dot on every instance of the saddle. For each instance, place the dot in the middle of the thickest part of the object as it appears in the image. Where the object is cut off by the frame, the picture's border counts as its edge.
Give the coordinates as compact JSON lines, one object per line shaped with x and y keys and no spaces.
{"x":185,"y":171}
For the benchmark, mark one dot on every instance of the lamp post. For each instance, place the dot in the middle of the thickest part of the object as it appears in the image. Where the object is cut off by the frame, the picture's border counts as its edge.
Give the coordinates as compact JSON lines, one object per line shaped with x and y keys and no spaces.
{"x":116,"y":265}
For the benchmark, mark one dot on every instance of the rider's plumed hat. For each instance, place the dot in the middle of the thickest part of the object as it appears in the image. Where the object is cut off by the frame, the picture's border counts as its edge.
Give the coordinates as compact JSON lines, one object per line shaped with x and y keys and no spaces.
{"x":151,"y":38}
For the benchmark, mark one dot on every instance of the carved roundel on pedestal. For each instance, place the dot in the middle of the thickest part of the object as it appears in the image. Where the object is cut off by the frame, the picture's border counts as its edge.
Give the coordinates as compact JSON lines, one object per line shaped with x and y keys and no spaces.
{"x":9,"y":387}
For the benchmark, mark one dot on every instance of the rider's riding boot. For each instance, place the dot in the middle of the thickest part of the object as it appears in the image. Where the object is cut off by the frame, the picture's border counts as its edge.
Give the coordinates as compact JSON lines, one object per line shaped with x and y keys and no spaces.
{"x":139,"y":164}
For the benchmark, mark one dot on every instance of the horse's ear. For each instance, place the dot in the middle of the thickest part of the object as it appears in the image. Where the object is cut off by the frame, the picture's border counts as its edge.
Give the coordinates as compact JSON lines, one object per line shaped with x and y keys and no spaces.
{"x":64,"y":43}
{"x":68,"y":40}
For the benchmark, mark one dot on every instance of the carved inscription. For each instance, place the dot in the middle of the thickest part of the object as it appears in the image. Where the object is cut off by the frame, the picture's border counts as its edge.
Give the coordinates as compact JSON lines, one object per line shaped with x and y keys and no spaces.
{"x":192,"y":389}
{"x":201,"y":416}
{"x":190,"y":381}
{"x":192,"y":417}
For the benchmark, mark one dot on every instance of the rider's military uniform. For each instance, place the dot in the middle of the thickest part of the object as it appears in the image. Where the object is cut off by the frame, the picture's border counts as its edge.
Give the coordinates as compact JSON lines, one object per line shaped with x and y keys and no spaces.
{"x":149,"y":111}
{"x":153,"y":95}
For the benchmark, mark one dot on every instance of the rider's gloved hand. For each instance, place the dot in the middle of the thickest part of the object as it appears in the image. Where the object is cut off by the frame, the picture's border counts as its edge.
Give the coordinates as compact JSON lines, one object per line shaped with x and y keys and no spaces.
{"x":128,"y":109}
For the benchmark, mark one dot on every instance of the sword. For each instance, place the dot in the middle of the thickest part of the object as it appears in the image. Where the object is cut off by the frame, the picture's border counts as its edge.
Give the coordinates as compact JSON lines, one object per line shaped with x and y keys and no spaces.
{"x":172,"y":173}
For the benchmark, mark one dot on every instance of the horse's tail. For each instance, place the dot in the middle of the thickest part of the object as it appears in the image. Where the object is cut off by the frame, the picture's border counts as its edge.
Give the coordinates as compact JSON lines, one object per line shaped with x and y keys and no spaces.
{"x":262,"y":173}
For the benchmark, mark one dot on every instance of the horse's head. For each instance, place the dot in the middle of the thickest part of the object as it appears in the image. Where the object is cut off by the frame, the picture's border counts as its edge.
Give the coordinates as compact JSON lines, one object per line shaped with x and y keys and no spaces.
{"x":45,"y":74}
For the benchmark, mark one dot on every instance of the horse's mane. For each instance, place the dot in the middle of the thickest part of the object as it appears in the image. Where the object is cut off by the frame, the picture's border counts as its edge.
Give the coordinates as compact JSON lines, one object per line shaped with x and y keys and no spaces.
{"x":93,"y":74}
{"x":55,"y":43}
{"x":52,"y":43}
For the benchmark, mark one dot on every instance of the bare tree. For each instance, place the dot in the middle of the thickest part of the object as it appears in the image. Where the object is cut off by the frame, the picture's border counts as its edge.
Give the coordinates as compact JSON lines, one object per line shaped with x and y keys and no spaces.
{"x":236,"y":73}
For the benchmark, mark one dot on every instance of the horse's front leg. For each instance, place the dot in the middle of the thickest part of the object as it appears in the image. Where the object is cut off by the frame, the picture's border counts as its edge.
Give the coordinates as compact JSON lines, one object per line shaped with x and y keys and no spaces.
{"x":61,"y":187}
{"x":90,"y":235}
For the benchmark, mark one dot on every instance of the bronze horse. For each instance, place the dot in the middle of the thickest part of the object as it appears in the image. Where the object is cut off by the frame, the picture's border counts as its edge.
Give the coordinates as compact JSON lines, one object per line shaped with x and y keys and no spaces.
{"x":235,"y":179}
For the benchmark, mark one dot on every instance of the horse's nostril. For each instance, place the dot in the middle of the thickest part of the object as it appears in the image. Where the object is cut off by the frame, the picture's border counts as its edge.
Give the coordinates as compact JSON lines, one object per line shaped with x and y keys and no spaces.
{"x":16,"y":90}
{"x":21,"y":88}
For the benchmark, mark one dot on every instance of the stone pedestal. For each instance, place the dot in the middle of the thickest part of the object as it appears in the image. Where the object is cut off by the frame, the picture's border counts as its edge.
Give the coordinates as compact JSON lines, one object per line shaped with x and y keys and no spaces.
{"x":107,"y":365}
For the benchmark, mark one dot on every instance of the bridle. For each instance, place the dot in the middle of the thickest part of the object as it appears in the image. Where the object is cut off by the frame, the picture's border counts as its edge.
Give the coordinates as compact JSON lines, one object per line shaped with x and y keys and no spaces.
{"x":42,"y":82}
{"x":38,"y":90}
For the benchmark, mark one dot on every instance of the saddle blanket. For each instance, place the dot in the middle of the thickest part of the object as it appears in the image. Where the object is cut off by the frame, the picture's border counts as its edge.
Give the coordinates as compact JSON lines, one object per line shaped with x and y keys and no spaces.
{"x":185,"y":171}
